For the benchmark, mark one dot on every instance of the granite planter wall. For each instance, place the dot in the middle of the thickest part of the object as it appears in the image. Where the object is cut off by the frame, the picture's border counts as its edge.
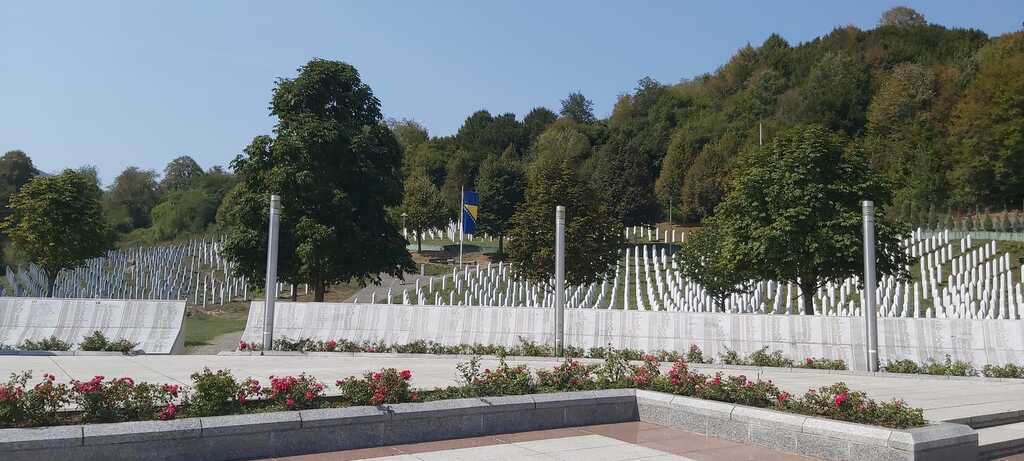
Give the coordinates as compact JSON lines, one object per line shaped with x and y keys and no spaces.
{"x":313,"y":431}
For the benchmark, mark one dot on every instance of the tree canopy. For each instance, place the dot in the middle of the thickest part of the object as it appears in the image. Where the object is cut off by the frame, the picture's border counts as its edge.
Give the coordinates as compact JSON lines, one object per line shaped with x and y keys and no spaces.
{"x":501,"y":186}
{"x":793,"y":213}
{"x":57,"y":222}
{"x":337,"y":167}
{"x":423,"y":207}
{"x":593,"y":235}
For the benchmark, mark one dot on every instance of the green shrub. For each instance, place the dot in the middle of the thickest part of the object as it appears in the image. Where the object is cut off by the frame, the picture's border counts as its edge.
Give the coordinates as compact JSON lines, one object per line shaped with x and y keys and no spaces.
{"x":94,"y":342}
{"x":730,"y":357}
{"x":38,"y":405}
{"x":504,"y":380}
{"x":120,"y":399}
{"x":46,"y":344}
{"x":823,"y":364}
{"x":902,"y":366}
{"x":761,"y":358}
{"x":1006,"y":371}
{"x":386,"y":386}
{"x":218,"y":393}
{"x":569,"y":376}
{"x":695,"y":355}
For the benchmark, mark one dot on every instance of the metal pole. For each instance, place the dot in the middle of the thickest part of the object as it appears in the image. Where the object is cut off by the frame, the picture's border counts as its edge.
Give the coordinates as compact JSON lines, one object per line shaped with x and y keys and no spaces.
{"x":462,"y":208}
{"x":870,"y":317}
{"x":271,"y":283}
{"x":559,"y":279}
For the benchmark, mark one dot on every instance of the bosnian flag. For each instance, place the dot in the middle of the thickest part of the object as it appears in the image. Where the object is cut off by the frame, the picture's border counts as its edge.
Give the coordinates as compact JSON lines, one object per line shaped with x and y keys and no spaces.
{"x":470,"y":208}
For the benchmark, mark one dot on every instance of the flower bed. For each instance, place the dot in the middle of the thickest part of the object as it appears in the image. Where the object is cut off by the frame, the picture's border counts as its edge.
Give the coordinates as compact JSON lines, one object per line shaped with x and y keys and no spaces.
{"x":96,"y":342}
{"x":527,"y":348}
{"x":220,"y":393}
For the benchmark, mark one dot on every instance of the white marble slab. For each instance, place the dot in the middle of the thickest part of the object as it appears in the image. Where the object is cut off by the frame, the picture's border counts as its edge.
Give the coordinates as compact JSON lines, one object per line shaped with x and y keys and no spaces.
{"x":157,"y":326}
{"x":920,"y":339}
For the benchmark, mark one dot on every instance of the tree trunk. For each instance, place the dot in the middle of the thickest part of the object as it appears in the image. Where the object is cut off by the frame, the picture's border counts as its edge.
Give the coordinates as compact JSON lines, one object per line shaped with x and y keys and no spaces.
{"x":295,"y":294}
{"x":807,"y":288}
{"x":501,"y":247}
{"x":419,"y":242}
{"x":318,"y":292}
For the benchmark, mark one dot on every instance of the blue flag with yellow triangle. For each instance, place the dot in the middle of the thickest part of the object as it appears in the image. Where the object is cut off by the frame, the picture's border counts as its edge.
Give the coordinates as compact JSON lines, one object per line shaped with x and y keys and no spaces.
{"x":470,"y":209}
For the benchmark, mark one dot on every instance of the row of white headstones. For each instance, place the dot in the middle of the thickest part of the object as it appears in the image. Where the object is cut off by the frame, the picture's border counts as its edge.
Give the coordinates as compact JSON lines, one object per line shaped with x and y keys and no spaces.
{"x":451,"y":234}
{"x":951,"y":279}
{"x":193,"y":271}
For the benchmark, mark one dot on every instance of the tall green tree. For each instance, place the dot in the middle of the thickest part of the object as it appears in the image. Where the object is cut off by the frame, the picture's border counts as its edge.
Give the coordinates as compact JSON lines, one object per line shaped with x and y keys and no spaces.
{"x":423,"y":207}
{"x":578,"y":107}
{"x":501,"y":186}
{"x":901,"y":16}
{"x":703,"y":258}
{"x":57,"y":222}
{"x":179,"y":174}
{"x":337,"y":167}
{"x":16,"y":169}
{"x":132,"y":197}
{"x":793,"y":213}
{"x":536,"y":121}
{"x":593,"y":235}
{"x":836,"y":93}
{"x":988,"y":128}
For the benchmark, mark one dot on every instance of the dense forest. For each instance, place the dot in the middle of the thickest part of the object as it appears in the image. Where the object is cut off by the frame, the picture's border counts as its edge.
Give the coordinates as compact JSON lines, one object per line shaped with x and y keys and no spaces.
{"x":938,"y":111}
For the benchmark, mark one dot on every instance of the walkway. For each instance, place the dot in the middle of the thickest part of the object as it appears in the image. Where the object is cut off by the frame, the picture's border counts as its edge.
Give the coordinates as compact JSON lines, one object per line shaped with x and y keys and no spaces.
{"x":610,"y":442}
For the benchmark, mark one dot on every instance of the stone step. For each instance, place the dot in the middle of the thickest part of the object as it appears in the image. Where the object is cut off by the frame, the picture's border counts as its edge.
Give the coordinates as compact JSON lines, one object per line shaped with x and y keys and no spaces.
{"x":998,"y":441}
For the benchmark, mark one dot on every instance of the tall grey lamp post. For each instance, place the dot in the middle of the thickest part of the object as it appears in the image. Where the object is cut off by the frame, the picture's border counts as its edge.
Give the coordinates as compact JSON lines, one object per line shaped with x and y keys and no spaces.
{"x":870,"y":317}
{"x":271,"y":282}
{"x":559,"y":279}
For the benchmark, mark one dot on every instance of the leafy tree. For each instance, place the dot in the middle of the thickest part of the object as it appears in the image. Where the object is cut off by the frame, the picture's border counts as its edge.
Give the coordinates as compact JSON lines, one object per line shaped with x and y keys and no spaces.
{"x":988,"y":128}
{"x":409,"y":133}
{"x":836,"y":93}
{"x":423,"y":206}
{"x":624,"y":181}
{"x":426,"y":158}
{"x":336,"y":167}
{"x":57,"y":222}
{"x":179,"y":174}
{"x":593,"y":236}
{"x":703,"y":258}
{"x":132,"y":197}
{"x":563,"y":139}
{"x":901,"y":16}
{"x":536,"y":121}
{"x":578,"y":107}
{"x":483,"y":135}
{"x":501,"y":186}
{"x":183,"y":212}
{"x":16,"y":169}
{"x":793,"y":213}
{"x":705,"y":180}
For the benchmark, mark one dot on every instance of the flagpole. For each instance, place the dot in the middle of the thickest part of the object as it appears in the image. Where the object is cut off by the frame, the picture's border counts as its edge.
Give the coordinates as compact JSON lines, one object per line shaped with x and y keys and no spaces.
{"x":462,"y":226}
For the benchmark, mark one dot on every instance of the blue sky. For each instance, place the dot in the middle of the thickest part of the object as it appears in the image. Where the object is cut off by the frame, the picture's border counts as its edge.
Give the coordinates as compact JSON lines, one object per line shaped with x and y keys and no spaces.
{"x":116,"y":84}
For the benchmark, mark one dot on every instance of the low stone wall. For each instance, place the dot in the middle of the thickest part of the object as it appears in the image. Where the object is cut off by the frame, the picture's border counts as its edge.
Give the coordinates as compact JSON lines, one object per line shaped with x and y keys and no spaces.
{"x":805,"y":435}
{"x":977,"y":341}
{"x":158,"y":326}
{"x":265,"y":435}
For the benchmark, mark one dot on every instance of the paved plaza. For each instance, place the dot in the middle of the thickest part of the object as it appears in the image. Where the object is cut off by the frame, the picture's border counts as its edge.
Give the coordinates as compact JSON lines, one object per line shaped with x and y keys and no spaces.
{"x":609,"y":442}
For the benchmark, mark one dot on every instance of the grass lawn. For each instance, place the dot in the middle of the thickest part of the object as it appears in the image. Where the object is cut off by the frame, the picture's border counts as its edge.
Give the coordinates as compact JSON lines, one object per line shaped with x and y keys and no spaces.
{"x":200,"y":328}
